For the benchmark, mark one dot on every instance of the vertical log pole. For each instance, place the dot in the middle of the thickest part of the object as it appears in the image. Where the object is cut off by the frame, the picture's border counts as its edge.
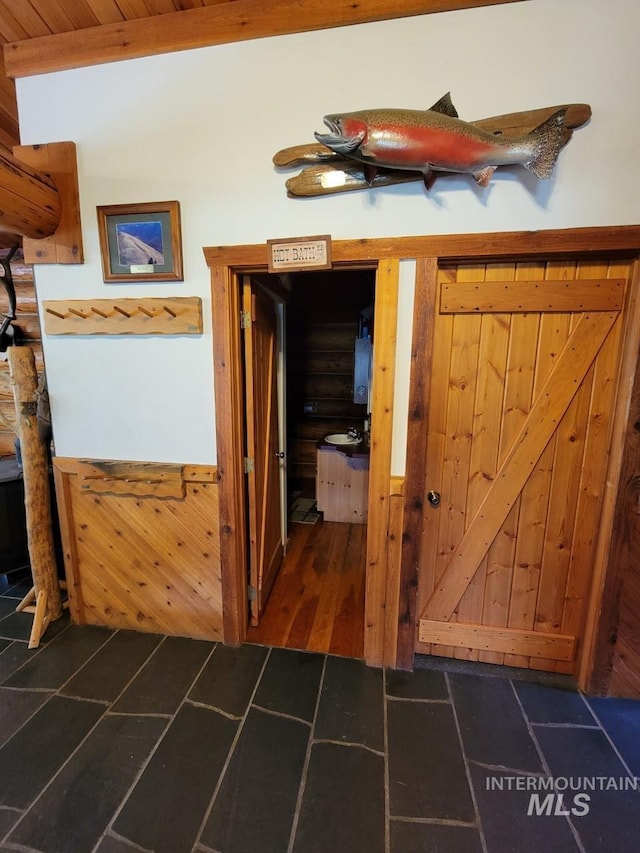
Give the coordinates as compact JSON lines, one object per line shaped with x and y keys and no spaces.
{"x":37,"y":494}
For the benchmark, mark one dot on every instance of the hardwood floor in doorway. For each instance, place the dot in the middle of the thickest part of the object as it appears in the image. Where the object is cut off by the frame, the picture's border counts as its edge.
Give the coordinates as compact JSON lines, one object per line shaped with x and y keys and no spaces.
{"x":317,"y":601}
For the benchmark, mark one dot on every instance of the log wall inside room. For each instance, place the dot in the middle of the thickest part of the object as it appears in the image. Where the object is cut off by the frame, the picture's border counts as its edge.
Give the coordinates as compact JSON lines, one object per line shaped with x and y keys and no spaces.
{"x":322,"y":326}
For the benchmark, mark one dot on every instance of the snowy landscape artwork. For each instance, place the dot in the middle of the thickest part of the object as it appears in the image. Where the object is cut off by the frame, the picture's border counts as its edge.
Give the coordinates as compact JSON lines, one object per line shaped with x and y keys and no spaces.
{"x":139,"y":243}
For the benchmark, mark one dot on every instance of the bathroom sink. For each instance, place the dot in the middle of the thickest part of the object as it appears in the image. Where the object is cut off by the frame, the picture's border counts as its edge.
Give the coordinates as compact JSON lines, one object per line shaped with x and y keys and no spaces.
{"x":342,"y":438}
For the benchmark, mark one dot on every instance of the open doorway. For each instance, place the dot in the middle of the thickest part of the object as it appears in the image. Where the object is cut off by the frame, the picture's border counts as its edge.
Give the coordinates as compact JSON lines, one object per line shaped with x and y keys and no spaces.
{"x":228,"y":264}
{"x":317,"y":600}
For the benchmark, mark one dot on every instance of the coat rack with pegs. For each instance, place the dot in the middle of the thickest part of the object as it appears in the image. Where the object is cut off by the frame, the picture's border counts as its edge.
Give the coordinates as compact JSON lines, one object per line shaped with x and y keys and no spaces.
{"x":178,"y":315}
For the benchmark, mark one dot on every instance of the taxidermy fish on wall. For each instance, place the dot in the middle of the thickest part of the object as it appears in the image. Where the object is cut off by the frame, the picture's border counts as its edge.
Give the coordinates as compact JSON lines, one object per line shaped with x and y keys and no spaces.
{"x":436,"y":140}
{"x":383,"y":146}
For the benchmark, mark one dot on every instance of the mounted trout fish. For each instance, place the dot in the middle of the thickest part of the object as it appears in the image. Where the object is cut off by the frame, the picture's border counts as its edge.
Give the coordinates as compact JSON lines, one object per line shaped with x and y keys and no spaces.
{"x":436,"y":140}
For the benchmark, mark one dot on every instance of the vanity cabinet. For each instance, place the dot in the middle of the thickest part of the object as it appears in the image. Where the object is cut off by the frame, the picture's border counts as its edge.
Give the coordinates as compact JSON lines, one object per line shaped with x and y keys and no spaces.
{"x":342,"y":484}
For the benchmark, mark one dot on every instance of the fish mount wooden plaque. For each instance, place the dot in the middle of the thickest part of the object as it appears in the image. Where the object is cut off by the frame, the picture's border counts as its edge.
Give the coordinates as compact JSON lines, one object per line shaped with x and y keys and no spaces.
{"x":327,"y":171}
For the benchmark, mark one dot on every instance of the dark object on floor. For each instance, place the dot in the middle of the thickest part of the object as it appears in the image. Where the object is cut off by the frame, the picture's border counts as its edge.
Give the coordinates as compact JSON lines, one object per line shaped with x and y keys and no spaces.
{"x":14,"y":552}
{"x":304,"y":511}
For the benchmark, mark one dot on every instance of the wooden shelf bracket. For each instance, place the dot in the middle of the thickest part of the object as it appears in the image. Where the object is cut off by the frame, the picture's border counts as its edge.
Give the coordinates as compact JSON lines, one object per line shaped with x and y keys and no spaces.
{"x":60,"y":243}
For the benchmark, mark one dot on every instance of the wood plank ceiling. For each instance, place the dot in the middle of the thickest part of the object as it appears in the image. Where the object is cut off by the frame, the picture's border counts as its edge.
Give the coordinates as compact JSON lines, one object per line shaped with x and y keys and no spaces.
{"x":42,"y":23}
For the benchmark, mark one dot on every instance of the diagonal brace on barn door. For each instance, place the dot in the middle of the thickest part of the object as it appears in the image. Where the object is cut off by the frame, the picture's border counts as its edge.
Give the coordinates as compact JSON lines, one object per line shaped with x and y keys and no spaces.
{"x":549,"y":408}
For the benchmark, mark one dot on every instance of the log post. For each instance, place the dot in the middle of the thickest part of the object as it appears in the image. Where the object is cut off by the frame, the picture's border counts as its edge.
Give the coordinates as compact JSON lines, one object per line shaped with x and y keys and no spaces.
{"x":57,"y":162}
{"x":39,"y":202}
{"x":37,"y":493}
{"x":30,"y":199}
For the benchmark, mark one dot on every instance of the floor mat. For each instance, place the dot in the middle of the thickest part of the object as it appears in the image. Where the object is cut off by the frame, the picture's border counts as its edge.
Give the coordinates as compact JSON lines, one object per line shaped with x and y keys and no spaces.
{"x":303,"y":510}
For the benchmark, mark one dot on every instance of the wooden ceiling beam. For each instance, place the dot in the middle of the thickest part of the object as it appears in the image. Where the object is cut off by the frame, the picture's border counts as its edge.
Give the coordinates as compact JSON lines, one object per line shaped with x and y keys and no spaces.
{"x":232,"y":21}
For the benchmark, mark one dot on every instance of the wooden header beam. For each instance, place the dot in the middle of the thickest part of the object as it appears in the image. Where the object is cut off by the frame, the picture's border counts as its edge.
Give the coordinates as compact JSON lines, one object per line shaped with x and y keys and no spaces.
{"x":223,"y":23}
{"x":618,"y":239}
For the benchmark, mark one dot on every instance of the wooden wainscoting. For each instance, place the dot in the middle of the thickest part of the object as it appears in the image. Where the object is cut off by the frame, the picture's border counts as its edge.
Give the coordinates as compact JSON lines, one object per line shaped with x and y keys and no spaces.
{"x":394,"y":562}
{"x":141,"y":545}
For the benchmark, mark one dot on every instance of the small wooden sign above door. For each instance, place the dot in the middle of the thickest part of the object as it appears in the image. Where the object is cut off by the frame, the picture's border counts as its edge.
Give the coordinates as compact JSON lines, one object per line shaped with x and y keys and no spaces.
{"x":300,"y":253}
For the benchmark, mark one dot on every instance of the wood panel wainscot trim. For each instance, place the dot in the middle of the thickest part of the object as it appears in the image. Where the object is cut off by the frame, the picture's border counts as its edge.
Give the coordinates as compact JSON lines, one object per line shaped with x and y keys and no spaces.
{"x":141,"y":545}
{"x":394,"y":561}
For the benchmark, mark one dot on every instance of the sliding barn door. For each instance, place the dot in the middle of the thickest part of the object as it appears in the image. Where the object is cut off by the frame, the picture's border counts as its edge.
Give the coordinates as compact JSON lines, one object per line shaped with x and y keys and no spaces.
{"x":263,"y":460}
{"x":525,"y":361}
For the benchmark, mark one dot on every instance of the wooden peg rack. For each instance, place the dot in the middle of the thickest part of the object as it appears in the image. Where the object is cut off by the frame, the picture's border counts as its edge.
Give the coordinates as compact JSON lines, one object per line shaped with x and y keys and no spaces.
{"x":176,"y":315}
{"x":142,"y":478}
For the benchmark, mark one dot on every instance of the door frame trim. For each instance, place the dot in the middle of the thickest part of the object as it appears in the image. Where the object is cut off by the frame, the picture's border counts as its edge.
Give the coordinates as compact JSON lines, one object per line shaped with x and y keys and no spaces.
{"x":226,"y":273}
{"x":227,"y":262}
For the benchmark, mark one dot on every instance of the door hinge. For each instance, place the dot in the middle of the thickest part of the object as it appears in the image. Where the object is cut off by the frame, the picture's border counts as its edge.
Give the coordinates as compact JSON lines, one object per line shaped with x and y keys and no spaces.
{"x":248,"y":465}
{"x":245,"y":319}
{"x":252,"y":593}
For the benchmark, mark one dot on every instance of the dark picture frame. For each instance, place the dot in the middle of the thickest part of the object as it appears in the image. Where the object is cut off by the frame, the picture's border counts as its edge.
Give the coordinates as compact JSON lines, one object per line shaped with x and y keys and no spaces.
{"x":141,"y":242}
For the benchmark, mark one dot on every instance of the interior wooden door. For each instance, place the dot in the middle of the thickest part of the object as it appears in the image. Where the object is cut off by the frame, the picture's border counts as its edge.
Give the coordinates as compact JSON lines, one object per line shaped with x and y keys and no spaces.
{"x":263,"y":469}
{"x":525,"y":365}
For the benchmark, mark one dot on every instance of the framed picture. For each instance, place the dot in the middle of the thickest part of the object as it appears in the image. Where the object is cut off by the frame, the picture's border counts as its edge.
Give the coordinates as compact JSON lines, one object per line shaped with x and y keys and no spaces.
{"x":141,"y":242}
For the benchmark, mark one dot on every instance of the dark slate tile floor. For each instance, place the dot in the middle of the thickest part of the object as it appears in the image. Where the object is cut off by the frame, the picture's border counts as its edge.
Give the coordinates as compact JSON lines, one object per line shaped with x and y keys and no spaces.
{"x":115,"y":742}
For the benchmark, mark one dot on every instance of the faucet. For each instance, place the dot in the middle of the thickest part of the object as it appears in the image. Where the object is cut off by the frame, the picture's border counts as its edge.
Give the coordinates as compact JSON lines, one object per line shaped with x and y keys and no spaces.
{"x":354,"y":433}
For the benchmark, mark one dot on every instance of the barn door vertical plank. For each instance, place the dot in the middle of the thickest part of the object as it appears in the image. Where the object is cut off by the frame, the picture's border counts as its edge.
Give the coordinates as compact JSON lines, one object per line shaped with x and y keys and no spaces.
{"x":463,"y":381}
{"x":561,"y":514}
{"x":563,"y":499}
{"x":489,"y":393}
{"x":600,"y":421}
{"x":486,"y":442}
{"x":520,"y":374}
{"x":459,"y":431}
{"x":552,"y":336}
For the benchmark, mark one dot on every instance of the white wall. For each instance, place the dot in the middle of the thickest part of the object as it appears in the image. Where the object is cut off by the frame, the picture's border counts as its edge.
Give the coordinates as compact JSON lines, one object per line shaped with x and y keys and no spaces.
{"x":202,"y":126}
